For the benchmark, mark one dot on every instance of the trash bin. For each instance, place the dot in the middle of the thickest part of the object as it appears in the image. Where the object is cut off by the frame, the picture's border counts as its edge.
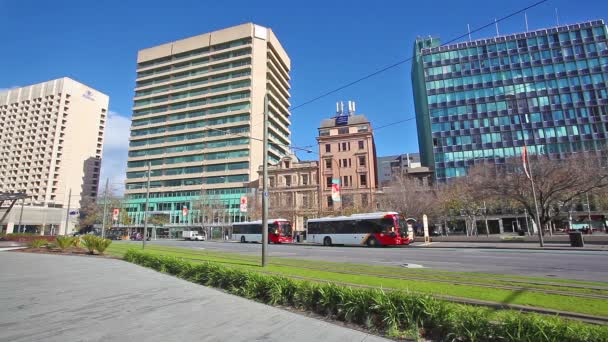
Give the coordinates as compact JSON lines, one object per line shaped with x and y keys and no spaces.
{"x":576,"y":239}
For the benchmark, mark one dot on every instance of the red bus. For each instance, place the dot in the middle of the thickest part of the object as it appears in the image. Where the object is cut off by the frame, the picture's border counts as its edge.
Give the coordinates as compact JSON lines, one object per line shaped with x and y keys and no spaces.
{"x":279,"y":231}
{"x":372,"y":229}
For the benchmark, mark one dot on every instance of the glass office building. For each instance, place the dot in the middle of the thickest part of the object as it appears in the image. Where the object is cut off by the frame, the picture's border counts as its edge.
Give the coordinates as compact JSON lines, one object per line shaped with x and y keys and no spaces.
{"x":479,"y":101}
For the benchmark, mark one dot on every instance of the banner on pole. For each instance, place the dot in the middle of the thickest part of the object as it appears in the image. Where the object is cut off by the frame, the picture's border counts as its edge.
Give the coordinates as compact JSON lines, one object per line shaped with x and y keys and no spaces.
{"x":184,"y":211}
{"x":243,"y":207}
{"x":335,"y":190}
{"x":115,"y":213}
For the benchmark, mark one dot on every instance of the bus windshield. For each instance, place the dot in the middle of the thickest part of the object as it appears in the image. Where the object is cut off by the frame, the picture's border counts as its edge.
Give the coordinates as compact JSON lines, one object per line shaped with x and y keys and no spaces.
{"x":286,"y":229}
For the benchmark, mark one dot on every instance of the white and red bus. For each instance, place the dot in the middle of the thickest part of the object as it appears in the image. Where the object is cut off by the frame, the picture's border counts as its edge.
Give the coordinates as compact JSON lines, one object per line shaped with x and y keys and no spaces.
{"x":279,"y":231}
{"x":373,"y":229}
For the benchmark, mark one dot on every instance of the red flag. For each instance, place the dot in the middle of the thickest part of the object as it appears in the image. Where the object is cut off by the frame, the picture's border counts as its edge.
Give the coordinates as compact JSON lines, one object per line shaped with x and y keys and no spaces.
{"x":524,"y":158}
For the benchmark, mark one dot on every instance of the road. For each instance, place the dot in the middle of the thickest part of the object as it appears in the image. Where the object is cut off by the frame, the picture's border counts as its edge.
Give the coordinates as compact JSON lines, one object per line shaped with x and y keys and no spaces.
{"x":580,"y":265}
{"x":69,"y":298}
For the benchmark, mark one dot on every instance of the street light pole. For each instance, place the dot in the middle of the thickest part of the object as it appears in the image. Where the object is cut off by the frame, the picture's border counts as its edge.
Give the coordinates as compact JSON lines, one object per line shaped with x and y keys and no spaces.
{"x":143,"y":240}
{"x":265,"y":184}
{"x":21,"y":215}
{"x":589,"y":211}
{"x":67,"y":213}
{"x":105,"y":210}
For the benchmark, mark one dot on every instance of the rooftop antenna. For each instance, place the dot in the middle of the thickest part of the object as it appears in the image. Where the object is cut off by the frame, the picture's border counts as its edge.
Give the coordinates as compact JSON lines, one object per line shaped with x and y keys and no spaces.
{"x":341,"y":107}
{"x":354,"y":108}
{"x":337,"y":108}
{"x":526,"y":19}
{"x":469,"y":29}
{"x":496,"y":24}
{"x":556,"y":16}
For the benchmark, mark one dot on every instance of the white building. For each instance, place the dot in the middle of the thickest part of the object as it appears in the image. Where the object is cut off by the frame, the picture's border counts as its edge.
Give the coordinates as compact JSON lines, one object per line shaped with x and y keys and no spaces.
{"x":51,"y":141}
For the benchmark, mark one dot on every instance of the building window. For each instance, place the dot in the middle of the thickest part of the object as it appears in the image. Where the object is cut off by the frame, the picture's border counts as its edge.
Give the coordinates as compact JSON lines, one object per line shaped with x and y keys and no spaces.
{"x":361,"y":144}
{"x":330,"y":202}
{"x":288,"y":180}
{"x":287,"y":165}
{"x":361,"y":160}
{"x":364,"y":200}
{"x":347,"y":181}
{"x":347,"y":200}
{"x":345,"y":146}
{"x":328,"y":179}
{"x":271,"y":181}
{"x":363,"y":180}
{"x":362,"y":129}
{"x":304,"y":179}
{"x":343,"y":130}
{"x":305,"y":201}
{"x":327,"y":147}
{"x":324,"y":132}
{"x":328,"y":163}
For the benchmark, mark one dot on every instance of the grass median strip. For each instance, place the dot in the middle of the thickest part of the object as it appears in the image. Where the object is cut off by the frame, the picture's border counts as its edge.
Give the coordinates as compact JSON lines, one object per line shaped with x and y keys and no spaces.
{"x":360,"y":274}
{"x":396,"y":313}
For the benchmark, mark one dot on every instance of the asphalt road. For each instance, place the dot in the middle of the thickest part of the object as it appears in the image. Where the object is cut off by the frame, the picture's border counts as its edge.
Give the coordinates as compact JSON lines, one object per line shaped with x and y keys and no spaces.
{"x":69,"y":298}
{"x":581,"y":265}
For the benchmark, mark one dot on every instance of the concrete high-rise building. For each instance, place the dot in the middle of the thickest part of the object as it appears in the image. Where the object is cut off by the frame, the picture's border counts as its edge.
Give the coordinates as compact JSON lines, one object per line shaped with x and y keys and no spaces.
{"x":198,"y":119}
{"x":477,"y":102}
{"x":51,"y":142}
{"x":347,"y":157}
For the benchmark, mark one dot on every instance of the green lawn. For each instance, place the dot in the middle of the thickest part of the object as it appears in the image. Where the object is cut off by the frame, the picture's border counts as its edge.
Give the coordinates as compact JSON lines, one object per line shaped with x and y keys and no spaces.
{"x":417,"y":280}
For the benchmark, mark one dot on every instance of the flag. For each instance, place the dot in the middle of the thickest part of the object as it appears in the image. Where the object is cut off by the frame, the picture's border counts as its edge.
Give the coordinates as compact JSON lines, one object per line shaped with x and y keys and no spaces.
{"x":524,"y":159}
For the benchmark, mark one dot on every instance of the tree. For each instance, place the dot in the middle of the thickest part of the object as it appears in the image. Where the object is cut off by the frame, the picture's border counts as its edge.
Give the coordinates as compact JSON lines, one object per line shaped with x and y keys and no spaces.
{"x":558,"y":183}
{"x":408,"y":197}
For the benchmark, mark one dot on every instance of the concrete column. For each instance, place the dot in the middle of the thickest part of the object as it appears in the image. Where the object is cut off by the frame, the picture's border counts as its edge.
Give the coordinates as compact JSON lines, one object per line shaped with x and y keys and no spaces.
{"x":500,"y":226}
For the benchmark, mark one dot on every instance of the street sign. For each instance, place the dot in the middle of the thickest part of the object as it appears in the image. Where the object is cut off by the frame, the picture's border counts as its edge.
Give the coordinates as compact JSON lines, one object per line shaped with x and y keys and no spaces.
{"x":243,"y":204}
{"x":184,"y":211}
{"x":115,"y":214}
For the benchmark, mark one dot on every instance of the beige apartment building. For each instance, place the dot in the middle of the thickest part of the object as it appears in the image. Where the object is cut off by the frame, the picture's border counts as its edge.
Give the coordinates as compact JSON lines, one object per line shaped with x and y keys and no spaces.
{"x":347,"y":155}
{"x":51,"y":142}
{"x":293,"y":190}
{"x":198,"y":120}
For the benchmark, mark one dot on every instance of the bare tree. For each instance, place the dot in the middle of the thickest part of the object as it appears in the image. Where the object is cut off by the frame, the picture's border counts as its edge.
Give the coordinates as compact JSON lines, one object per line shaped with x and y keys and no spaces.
{"x":558,"y":183}
{"x":408,"y":197}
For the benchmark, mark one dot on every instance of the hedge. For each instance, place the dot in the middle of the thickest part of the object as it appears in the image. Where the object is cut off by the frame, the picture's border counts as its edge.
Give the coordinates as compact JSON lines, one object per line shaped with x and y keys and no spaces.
{"x":396,"y":314}
{"x":27,"y":237}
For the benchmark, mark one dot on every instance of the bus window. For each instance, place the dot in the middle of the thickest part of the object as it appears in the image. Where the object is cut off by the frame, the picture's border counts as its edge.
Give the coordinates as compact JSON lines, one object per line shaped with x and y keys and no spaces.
{"x":286,"y":229}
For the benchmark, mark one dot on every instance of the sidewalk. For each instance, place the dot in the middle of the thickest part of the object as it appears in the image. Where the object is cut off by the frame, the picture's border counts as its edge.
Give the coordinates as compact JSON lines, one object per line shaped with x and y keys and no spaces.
{"x":509,"y":245}
{"x":67,"y":298}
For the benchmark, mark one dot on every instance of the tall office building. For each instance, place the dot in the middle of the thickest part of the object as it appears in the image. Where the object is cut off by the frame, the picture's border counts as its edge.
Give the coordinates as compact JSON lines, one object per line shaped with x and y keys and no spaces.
{"x":347,"y":158}
{"x":479,"y":101}
{"x":198,"y":119}
{"x":51,"y":140}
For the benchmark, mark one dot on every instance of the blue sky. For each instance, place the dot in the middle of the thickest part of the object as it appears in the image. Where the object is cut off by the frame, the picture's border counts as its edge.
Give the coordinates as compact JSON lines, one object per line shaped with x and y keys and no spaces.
{"x":330,"y":43}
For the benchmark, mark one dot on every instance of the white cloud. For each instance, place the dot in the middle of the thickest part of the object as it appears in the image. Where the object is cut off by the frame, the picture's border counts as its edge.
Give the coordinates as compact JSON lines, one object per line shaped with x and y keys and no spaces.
{"x":115,"y":149}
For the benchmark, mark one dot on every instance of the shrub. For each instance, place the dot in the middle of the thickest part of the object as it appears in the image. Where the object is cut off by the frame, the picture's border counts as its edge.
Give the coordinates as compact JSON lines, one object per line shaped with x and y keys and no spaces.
{"x":397,"y":314}
{"x":64,"y":242}
{"x":89,"y":242}
{"x":102,"y":244}
{"x":38,"y":243}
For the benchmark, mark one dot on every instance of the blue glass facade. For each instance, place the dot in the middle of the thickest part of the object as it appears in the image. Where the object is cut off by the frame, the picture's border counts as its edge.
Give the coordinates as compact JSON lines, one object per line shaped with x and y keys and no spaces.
{"x":479,"y":101}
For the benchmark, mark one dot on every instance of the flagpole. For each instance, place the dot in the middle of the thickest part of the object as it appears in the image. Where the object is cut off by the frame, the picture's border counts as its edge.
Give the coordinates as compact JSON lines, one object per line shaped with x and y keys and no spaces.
{"x":528,"y":171}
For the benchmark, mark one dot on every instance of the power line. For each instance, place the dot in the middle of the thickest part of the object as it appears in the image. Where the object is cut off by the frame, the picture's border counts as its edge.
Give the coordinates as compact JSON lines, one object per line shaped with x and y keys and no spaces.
{"x":494,"y":22}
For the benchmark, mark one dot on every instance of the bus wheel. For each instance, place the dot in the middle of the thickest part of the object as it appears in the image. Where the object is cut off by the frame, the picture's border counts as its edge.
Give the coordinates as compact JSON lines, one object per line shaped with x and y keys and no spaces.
{"x":372,"y":242}
{"x":243,"y":239}
{"x":327,"y":241}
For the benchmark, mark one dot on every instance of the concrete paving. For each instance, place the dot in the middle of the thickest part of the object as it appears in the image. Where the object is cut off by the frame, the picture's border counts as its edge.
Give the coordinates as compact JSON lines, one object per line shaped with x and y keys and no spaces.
{"x":577,"y":264}
{"x":68,"y":298}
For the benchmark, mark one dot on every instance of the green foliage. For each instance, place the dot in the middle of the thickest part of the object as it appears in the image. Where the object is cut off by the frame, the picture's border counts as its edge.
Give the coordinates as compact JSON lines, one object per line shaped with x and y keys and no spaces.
{"x":102,"y":244}
{"x":397,"y":314}
{"x":38,"y":243}
{"x":65,"y":242}
{"x":89,"y":242}
{"x":95,"y":243}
